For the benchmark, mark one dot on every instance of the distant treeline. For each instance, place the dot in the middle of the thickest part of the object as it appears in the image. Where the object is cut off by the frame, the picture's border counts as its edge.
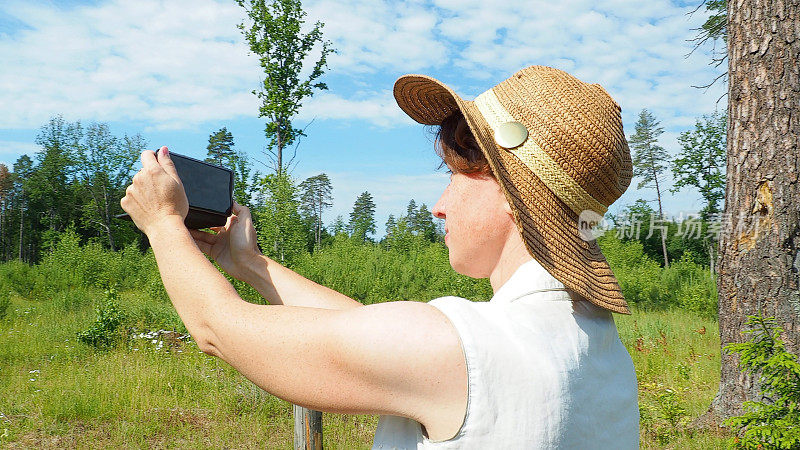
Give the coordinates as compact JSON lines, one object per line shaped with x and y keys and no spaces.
{"x":79,"y":174}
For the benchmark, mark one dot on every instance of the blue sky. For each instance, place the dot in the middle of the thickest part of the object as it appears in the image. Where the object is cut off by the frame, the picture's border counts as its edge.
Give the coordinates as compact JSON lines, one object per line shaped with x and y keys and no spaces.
{"x":178,"y":70}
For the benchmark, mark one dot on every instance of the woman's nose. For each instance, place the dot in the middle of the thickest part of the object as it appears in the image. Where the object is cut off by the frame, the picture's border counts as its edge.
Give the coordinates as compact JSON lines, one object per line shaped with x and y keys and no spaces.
{"x":438,"y":208}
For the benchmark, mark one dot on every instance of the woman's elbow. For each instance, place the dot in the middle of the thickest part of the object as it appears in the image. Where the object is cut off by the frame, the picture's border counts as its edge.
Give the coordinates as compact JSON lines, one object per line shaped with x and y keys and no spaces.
{"x":208,"y":347}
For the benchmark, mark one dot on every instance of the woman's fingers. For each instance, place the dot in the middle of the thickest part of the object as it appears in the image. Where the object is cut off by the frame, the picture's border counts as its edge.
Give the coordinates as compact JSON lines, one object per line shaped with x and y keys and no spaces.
{"x":241,"y":211}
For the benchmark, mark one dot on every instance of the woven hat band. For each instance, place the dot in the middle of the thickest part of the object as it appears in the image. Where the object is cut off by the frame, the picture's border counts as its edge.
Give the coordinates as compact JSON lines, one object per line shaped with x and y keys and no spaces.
{"x":537,"y":160}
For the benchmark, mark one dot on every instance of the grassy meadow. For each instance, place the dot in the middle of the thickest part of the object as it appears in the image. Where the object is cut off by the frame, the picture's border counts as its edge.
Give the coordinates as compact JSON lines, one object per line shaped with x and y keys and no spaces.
{"x":151,"y":387}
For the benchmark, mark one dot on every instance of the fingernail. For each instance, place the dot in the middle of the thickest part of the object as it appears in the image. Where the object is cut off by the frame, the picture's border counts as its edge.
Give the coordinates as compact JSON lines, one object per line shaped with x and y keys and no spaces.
{"x":166,"y":151}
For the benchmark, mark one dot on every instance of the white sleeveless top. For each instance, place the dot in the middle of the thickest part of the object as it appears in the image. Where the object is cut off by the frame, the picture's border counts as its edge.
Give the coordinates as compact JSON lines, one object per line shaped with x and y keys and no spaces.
{"x":543,"y":372}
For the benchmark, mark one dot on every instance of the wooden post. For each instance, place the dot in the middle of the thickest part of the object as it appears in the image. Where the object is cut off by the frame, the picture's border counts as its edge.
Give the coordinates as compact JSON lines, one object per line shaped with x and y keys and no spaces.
{"x":307,"y":429}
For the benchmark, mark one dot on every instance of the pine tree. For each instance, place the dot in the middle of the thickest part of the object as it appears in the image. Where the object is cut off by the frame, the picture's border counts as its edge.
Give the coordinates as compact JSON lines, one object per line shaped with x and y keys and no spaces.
{"x":220,"y":148}
{"x":362,"y":218}
{"x":423,"y":221}
{"x":339,"y":226}
{"x":315,"y":198}
{"x":649,"y":161}
{"x":391,"y":223}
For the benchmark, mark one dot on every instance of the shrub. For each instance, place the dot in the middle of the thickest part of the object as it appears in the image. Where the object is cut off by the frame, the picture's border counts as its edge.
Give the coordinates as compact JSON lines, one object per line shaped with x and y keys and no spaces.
{"x":70,"y":265}
{"x":644,"y":283}
{"x":690,"y":286}
{"x":371,"y":273}
{"x":104,"y":332}
{"x":638,"y":275}
{"x":775,"y":424}
{"x":19,"y":277}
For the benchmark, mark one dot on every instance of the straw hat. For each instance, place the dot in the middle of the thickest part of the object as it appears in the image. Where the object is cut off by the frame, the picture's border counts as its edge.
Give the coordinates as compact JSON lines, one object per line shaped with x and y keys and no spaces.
{"x":557,"y":148}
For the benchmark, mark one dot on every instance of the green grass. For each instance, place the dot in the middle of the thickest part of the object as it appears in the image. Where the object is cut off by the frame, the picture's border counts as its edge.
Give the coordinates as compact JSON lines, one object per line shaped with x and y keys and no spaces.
{"x":677,"y":359}
{"x":58,"y":392}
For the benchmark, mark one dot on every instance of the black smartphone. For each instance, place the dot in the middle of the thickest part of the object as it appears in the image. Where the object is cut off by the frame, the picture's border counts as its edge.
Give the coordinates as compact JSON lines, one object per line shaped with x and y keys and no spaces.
{"x":209,"y":189}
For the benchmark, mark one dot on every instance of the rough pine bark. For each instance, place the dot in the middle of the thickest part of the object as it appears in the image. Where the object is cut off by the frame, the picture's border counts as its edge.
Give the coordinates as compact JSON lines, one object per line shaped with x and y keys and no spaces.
{"x":759,"y":259}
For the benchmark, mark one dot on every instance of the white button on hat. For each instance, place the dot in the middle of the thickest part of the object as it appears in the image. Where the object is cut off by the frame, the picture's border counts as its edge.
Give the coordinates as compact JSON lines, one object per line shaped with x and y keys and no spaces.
{"x":510,"y":134}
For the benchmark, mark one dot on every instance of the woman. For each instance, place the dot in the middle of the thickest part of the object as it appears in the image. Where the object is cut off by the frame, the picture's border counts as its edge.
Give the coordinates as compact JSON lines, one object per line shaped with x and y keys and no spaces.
{"x":539,"y":366}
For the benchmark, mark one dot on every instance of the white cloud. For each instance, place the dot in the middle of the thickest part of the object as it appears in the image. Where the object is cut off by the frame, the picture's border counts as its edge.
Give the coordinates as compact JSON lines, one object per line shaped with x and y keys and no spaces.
{"x":375,"y":35}
{"x":172,"y":64}
{"x":177,"y":64}
{"x":376,"y":107}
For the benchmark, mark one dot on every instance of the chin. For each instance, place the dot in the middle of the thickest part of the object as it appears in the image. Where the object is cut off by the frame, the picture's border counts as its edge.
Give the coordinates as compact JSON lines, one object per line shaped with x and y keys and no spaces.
{"x":465,"y":265}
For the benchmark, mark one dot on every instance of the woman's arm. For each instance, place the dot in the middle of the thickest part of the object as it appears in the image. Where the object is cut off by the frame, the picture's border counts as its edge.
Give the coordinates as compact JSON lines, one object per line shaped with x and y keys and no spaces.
{"x":399,"y":358}
{"x":234,"y":248}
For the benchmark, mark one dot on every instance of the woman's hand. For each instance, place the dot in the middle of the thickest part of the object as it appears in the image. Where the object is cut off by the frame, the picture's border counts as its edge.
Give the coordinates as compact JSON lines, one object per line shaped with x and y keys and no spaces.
{"x":156,"y":194}
{"x":234,"y":246}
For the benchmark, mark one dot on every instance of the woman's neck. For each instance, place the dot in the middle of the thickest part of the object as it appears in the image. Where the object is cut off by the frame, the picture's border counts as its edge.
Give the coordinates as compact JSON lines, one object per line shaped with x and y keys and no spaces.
{"x":514,"y":254}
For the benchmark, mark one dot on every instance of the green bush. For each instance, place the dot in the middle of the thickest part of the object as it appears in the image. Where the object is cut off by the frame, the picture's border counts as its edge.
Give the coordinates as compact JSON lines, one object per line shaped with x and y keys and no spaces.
{"x":775,"y":424}
{"x":644,"y":283}
{"x":19,"y":277}
{"x":71,"y":265}
{"x":638,"y":275}
{"x":104,"y":333}
{"x":690,"y":286}
{"x":371,"y":273}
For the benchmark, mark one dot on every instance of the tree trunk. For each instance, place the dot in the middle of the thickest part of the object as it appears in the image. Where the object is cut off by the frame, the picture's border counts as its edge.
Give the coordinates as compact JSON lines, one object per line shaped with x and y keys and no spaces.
{"x":759,"y":253}
{"x":21,"y":218}
{"x":106,"y":216}
{"x":661,"y":218}
{"x":279,"y":142}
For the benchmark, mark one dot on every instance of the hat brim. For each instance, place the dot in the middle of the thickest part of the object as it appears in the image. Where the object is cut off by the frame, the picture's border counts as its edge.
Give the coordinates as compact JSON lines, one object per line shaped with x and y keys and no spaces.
{"x":548,"y":226}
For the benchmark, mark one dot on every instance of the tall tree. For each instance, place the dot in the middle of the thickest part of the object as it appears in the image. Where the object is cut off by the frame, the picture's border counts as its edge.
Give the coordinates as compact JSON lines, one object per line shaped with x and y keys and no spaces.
{"x":221,"y":152}
{"x":649,"y":161}
{"x":243,"y":182}
{"x":6,"y":185}
{"x":51,"y":185}
{"x":315,"y":198}
{"x":759,"y":263}
{"x":220,"y":147}
{"x":701,"y":164}
{"x":104,"y":166}
{"x":423,"y":223}
{"x":23,"y":168}
{"x":391,"y":223}
{"x":273,"y":33}
{"x":701,"y":161}
{"x":281,"y":232}
{"x":362,"y":218}
{"x":339,"y":227}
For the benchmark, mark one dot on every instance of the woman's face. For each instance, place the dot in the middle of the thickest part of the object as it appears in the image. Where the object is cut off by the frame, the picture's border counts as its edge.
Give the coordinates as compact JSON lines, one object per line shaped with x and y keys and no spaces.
{"x":478,"y":221}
